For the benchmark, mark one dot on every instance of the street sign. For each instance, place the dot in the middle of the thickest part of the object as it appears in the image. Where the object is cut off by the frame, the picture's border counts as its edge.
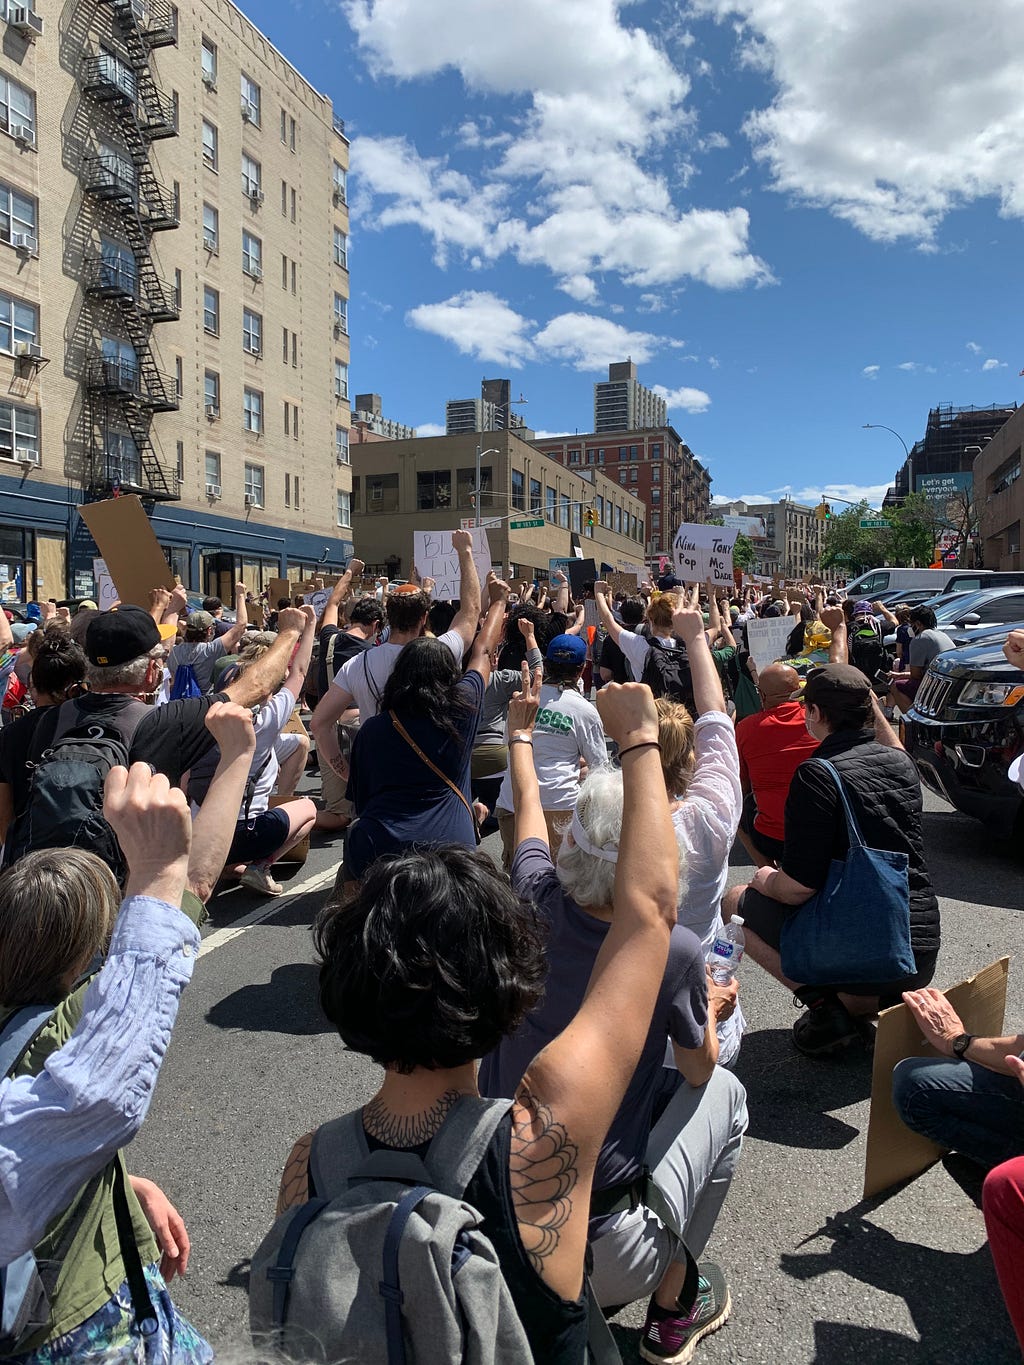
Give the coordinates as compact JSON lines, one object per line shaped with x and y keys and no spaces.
{"x":486,"y":523}
{"x":526,"y":525}
{"x":874,"y":524}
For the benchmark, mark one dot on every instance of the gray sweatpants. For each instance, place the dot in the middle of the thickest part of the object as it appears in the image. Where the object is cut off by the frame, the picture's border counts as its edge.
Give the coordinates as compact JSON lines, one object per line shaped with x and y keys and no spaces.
{"x":692,"y":1155}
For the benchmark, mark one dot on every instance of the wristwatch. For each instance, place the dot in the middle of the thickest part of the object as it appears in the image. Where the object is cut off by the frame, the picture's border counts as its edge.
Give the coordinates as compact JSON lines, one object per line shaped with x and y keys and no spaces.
{"x":960,"y":1045}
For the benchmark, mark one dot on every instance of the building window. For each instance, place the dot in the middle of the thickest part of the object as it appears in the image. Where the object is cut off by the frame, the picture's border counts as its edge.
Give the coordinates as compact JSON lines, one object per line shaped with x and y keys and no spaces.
{"x":433,"y":489}
{"x":254,"y":485}
{"x":252,"y":332}
{"x":211,"y":394}
{"x":466,"y":486}
{"x":19,"y":324}
{"x":123,"y":466}
{"x":535,"y":496}
{"x":294,"y":201}
{"x":344,"y":508}
{"x":633,"y":453}
{"x":179,"y":454}
{"x":177,"y":288}
{"x":623,"y":453}
{"x":284,"y":126}
{"x":340,"y":181}
{"x":209,"y":145}
{"x":655,"y":495}
{"x":656,"y":473}
{"x":341,"y":314}
{"x":591,"y":456}
{"x":577,"y":517}
{"x":284,"y":200}
{"x":17,"y":106}
{"x":623,"y":475}
{"x":212,"y":463}
{"x":291,"y":133}
{"x":179,"y":378}
{"x":251,"y":177}
{"x":295,"y":483}
{"x":295,"y":350}
{"x":211,"y":310}
{"x":211,"y":228}
{"x":287,"y":483}
{"x":551,"y":500}
{"x":574,"y":457}
{"x":209,"y":63}
{"x":341,"y":451}
{"x":252,"y":255}
{"x":518,"y":481}
{"x":295,"y":275}
{"x":250,"y":100}
{"x":19,"y":432}
{"x":340,"y":248}
{"x":340,"y":379}
{"x":618,"y":520}
{"x":656,"y":451}
{"x":252,"y":411}
{"x":633,"y":474}
{"x":563,"y":511}
{"x":284,"y":271}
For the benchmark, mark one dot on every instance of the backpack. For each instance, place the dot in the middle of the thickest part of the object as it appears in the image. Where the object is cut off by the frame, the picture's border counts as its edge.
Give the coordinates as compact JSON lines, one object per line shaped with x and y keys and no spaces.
{"x":667,"y":672}
{"x":388,"y":1263}
{"x":69,"y":765}
{"x":26,"y":1285}
{"x":867,"y":651}
{"x":185,"y":683}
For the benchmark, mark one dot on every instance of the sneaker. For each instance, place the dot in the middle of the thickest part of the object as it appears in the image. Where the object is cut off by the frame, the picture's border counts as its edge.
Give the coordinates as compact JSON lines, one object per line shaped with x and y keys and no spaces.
{"x":827,"y":1027}
{"x":669,"y":1338}
{"x":259,"y":879}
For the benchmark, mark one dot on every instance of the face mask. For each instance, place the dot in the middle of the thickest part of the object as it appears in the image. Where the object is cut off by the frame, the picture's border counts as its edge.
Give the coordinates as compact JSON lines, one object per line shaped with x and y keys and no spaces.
{"x":808,"y":723}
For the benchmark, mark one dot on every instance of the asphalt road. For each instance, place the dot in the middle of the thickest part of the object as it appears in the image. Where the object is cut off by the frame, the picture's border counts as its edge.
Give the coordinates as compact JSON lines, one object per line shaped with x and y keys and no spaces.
{"x":816,"y":1273}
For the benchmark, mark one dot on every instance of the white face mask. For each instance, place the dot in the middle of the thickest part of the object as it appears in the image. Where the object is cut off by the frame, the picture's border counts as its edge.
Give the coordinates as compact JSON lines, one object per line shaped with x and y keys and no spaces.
{"x":809,"y":724}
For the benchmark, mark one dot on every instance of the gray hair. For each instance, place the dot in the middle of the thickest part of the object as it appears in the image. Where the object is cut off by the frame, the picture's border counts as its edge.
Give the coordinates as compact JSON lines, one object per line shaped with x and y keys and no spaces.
{"x":590,"y":880}
{"x":131,"y":675}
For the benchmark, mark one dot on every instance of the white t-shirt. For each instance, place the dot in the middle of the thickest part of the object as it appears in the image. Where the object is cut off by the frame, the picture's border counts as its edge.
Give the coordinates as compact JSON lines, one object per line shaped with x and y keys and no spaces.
{"x":636,"y":647}
{"x":567,"y":726}
{"x":706,"y":823}
{"x":364,"y":676}
{"x":273,"y":716}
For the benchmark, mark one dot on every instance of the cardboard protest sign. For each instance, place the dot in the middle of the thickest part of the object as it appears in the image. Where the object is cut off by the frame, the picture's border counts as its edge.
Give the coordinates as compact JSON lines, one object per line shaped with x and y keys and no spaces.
{"x":129,"y":547}
{"x":434,"y":558}
{"x":894,"y":1153}
{"x":318,"y":600}
{"x":624,"y":583}
{"x":766,"y":640}
{"x":581,"y":571}
{"x":106,"y":593}
{"x":703,"y":552}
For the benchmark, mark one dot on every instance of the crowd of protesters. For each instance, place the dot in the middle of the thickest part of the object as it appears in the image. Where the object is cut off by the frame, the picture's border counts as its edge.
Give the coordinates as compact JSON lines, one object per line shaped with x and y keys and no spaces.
{"x":561,"y":1018}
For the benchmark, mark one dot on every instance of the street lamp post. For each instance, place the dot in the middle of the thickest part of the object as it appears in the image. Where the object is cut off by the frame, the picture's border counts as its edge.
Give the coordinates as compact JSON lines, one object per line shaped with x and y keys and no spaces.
{"x":479,"y":457}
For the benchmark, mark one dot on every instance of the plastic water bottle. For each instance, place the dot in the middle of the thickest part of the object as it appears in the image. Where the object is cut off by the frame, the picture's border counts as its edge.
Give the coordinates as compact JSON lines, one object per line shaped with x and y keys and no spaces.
{"x":727,"y":954}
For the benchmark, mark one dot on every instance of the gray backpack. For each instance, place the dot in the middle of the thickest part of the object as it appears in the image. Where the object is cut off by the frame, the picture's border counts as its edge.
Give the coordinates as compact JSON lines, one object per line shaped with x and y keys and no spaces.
{"x":388,"y":1263}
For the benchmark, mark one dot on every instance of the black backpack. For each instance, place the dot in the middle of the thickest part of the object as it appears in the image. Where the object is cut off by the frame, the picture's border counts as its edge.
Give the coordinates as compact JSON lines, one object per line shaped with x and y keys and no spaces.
{"x":69,"y":762}
{"x":667,"y":672}
{"x":867,"y":650}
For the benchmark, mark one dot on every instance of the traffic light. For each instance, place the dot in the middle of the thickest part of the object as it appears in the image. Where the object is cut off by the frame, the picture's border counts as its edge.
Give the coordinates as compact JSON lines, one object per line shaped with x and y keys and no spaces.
{"x":828,"y":511}
{"x":591,"y":517}
{"x":823,"y":511}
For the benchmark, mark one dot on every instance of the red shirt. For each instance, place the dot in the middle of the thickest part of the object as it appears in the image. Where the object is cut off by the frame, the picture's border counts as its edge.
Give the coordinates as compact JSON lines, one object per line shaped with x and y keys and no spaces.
{"x":772,"y":745}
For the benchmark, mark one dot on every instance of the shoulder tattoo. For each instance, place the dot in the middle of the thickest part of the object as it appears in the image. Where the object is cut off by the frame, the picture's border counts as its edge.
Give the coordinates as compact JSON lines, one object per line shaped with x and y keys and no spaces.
{"x":543,"y":1174}
{"x":295,"y":1180}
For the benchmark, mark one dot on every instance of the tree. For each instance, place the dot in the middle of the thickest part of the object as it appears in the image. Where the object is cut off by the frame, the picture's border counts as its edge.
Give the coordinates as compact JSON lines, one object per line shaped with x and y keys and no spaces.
{"x":915,"y":529}
{"x":849,"y":547}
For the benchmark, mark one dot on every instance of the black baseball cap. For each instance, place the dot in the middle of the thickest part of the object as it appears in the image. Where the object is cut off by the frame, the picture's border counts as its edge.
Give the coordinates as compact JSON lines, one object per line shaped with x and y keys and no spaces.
{"x":838,"y":683}
{"x":117,"y":637}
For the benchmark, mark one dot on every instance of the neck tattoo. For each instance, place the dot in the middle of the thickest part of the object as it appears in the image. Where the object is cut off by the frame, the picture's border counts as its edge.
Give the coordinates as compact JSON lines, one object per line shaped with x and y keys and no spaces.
{"x":406,"y":1130}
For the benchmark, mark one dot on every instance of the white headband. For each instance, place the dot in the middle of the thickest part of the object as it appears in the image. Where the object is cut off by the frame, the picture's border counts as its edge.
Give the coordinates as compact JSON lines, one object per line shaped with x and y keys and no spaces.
{"x":609,"y":852}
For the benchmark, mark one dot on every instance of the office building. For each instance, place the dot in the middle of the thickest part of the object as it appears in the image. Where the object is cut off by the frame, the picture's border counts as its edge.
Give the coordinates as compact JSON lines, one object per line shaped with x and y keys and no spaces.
{"x":492,"y":411}
{"x":655,"y":464}
{"x":429,"y":484}
{"x":999,"y":496}
{"x":794,"y":537}
{"x":173,"y":294}
{"x":369,"y":422}
{"x":622,"y":403}
{"x":952,"y":440}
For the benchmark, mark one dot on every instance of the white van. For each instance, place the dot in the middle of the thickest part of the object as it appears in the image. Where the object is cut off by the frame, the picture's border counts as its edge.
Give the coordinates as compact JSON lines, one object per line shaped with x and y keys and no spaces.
{"x":877,"y":581}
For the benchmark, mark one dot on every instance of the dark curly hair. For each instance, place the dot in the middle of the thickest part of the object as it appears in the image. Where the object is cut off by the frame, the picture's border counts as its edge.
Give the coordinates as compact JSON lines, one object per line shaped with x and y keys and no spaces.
{"x":58,"y":669}
{"x":433,"y":963}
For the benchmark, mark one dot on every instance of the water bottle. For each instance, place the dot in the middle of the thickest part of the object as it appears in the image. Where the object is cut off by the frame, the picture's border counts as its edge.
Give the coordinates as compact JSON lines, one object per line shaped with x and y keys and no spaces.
{"x":727,"y":954}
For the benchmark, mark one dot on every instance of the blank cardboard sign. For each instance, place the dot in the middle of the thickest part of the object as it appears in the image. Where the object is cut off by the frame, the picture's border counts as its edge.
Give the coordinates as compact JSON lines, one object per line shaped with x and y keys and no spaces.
{"x":894,"y":1153}
{"x":127,"y":542}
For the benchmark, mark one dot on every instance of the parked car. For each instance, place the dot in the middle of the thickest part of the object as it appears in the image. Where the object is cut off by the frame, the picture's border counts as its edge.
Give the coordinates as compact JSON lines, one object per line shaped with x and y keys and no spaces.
{"x":966,"y":727}
{"x":965,"y":611}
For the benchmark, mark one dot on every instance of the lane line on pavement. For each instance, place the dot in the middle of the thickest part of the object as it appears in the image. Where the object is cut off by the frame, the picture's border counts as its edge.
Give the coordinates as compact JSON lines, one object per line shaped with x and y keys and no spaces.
{"x":264,"y":912}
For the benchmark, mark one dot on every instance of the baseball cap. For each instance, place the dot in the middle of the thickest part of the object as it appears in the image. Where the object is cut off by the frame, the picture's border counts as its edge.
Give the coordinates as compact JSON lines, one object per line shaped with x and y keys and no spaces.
{"x":404,"y":589}
{"x":566,"y":649}
{"x":199,"y":620}
{"x":117,"y":637}
{"x":864,"y":608}
{"x":840,"y":683}
{"x":86,"y":604}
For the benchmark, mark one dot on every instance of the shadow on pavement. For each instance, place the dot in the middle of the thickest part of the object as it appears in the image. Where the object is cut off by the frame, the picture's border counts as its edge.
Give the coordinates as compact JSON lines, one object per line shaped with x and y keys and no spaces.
{"x":287,"y":1003}
{"x":967,"y":863}
{"x":789,"y":1097}
{"x":952,"y":1297}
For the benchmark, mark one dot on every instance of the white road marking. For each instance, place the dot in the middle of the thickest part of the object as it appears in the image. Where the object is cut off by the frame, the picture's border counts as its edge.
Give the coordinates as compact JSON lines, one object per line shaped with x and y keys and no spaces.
{"x":263,"y":912}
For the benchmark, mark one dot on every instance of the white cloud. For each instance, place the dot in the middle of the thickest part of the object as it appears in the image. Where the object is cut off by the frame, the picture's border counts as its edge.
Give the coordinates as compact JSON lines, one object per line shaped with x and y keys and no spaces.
{"x":429,"y":429}
{"x":604,"y":101}
{"x":915,"y":367}
{"x":479,"y":324}
{"x":684,"y":399}
{"x":992,"y":364}
{"x":579,"y":287}
{"x":888,"y":115}
{"x":974,"y":348}
{"x":870,"y":371}
{"x":871,"y":493}
{"x":590,"y":343}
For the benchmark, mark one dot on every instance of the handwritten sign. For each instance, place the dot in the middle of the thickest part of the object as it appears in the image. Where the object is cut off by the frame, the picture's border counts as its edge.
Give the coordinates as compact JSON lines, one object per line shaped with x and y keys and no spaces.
{"x":703,"y":552}
{"x":106,"y":593}
{"x":766,"y":640}
{"x":434,"y":558}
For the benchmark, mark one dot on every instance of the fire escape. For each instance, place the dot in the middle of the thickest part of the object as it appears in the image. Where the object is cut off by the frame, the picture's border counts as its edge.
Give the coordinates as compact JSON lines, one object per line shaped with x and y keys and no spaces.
{"x":124,"y":390}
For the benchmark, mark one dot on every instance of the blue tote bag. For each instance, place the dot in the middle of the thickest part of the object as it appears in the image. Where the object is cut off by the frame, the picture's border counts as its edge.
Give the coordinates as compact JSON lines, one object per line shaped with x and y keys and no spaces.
{"x":857,"y":927}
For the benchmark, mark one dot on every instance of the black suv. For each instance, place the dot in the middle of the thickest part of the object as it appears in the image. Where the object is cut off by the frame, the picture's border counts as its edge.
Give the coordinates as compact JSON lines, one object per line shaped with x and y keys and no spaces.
{"x":964,"y":730}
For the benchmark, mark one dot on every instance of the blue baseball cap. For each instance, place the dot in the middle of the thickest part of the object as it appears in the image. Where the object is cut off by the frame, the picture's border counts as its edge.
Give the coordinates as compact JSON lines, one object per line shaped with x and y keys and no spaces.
{"x":567,"y":649}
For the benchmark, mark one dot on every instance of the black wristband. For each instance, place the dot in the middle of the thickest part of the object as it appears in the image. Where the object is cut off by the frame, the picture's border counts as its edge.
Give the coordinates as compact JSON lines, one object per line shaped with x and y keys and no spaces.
{"x":648,"y":744}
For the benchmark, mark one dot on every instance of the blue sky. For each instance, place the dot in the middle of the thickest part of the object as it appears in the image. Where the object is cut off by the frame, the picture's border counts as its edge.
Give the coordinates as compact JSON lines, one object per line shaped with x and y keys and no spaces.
{"x":796,"y":217}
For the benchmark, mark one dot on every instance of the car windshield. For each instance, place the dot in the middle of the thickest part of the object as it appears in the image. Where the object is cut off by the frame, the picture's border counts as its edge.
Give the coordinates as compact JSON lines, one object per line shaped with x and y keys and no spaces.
{"x":960,"y":605}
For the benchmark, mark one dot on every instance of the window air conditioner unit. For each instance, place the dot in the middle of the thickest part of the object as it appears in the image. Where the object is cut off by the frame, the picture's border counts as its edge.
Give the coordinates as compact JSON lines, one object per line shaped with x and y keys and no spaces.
{"x":210,"y":241}
{"x":256,"y":198}
{"x":24,"y":243}
{"x":255,"y":272}
{"x":209,"y":80}
{"x":212,"y":412}
{"x":28,"y":455}
{"x":340,"y":329}
{"x":25,"y":21}
{"x":247,"y":114}
{"x":251,"y":500}
{"x":339,"y":198}
{"x":28,"y":350}
{"x":213,"y":490}
{"x":254,"y":348}
{"x":23,"y":135}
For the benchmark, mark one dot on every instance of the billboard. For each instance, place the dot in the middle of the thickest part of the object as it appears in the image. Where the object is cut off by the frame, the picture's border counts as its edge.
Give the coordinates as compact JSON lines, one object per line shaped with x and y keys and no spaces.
{"x":753,"y":527}
{"x":941,"y":487}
